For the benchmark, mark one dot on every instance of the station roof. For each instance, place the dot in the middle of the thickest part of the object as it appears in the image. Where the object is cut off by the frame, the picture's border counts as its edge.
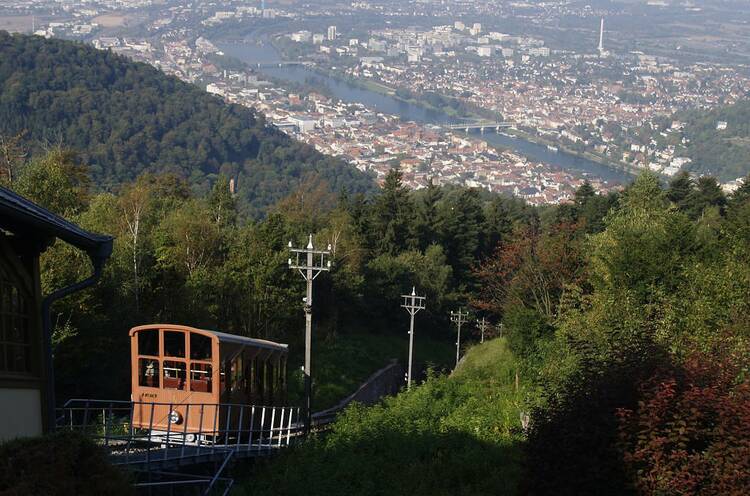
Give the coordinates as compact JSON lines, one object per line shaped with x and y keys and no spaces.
{"x":23,"y":217}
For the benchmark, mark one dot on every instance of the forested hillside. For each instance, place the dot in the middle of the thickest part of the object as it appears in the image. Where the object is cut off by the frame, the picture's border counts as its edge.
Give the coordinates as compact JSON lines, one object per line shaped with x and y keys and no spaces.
{"x":126,"y":118}
{"x":627,"y":325}
{"x":190,"y":258}
{"x":716,"y":152}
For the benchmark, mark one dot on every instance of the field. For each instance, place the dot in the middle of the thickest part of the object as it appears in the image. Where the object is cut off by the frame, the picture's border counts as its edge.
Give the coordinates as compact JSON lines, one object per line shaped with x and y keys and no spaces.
{"x":16,"y":24}
{"x":111,"y":20}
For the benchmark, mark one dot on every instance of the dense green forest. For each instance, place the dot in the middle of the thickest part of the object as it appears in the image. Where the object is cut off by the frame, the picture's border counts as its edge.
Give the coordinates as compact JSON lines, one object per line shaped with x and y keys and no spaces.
{"x":625,"y":324}
{"x":195,"y":259}
{"x":126,"y":118}
{"x":626,"y":331}
{"x":719,"y":153}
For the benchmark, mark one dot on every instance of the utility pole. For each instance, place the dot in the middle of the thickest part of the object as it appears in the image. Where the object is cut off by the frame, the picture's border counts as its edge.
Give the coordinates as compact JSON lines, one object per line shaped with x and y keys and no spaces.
{"x":413,"y":304}
{"x":458,"y":318}
{"x":310,"y":263}
{"x":482,"y":326}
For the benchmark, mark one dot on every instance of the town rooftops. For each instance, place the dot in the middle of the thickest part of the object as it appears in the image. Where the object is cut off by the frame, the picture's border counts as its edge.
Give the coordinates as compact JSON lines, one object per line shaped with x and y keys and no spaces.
{"x":25,"y":218}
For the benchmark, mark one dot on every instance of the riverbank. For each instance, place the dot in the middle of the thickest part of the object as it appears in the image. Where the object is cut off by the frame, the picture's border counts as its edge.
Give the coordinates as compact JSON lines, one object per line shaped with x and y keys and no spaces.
{"x":381,"y":99}
{"x":382,"y":89}
{"x":619,"y":166}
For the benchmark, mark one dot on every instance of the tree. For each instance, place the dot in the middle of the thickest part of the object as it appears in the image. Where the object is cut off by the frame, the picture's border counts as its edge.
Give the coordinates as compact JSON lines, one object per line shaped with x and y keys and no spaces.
{"x":708,"y":193}
{"x":645,"y":245}
{"x":681,"y":190}
{"x":12,"y":157}
{"x":461,"y":221}
{"x":56,"y":181}
{"x":192,"y":238}
{"x":499,"y":223}
{"x":392,"y":213}
{"x":134,"y":203}
{"x":427,"y":221}
{"x":222,"y":202}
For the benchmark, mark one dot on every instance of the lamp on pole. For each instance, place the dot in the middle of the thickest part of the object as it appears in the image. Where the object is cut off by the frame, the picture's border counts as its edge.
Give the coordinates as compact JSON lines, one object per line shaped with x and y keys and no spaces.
{"x":310,"y":263}
{"x":413,"y":304}
{"x":482,"y":326}
{"x":458,"y":318}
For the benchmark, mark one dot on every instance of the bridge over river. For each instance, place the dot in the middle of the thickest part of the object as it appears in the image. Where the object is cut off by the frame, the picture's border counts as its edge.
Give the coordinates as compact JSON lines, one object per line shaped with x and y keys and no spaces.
{"x":276,"y":65}
{"x":481,"y":125}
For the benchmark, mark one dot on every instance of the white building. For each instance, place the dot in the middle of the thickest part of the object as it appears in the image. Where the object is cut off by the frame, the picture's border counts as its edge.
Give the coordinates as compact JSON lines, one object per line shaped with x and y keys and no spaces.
{"x":331,"y":33}
{"x":539,"y":52}
{"x":484,"y":51}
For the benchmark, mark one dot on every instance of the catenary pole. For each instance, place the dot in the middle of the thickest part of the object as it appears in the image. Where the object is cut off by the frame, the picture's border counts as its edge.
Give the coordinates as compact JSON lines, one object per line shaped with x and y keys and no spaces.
{"x":310,"y":263}
{"x":413,"y":304}
{"x":482,"y":327}
{"x":458,"y":318}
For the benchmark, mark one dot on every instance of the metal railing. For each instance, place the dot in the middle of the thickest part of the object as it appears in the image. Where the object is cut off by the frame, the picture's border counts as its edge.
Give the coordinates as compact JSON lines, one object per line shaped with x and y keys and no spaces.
{"x":148,"y":433}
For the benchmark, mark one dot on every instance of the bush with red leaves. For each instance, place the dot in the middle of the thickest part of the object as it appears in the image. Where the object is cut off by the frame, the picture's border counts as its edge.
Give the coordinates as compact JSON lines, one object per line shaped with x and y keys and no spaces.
{"x":690,"y":433}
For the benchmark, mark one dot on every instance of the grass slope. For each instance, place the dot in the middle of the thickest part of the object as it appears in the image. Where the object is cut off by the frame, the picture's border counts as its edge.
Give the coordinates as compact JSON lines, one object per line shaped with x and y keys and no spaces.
{"x":451,"y":435}
{"x":342,"y":364}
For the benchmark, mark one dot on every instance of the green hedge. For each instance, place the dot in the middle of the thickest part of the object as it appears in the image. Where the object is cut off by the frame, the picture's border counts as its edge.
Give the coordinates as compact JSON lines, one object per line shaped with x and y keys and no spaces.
{"x":59,"y":464}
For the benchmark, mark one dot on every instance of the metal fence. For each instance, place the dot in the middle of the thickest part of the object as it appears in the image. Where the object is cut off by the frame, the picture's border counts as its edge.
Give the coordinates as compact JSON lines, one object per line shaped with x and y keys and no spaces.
{"x":136,"y":431}
{"x":157,"y":437}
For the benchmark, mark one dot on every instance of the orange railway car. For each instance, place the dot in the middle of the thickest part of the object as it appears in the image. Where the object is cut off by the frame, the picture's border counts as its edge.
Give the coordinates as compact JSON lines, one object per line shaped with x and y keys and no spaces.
{"x":185,"y":379}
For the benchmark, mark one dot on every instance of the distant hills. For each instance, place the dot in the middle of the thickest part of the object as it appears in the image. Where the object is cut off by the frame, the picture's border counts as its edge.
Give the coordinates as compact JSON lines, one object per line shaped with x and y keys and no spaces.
{"x":126,"y":118}
{"x":722,"y":153}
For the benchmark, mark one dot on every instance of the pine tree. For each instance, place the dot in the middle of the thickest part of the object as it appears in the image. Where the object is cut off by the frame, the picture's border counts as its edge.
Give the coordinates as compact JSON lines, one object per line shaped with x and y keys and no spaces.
{"x":391,"y":215}
{"x":462,"y":223}
{"x":708,"y":193}
{"x":680,"y":192}
{"x":427,"y":220}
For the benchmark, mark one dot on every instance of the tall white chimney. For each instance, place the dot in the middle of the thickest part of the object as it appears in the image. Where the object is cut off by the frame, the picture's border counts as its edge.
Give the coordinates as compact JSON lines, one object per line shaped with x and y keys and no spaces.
{"x":601,"y":36}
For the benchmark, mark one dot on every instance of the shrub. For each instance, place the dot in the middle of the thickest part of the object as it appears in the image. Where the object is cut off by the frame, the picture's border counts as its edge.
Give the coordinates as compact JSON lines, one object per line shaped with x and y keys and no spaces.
{"x":690,"y":434}
{"x":572,"y":441}
{"x":60,"y":464}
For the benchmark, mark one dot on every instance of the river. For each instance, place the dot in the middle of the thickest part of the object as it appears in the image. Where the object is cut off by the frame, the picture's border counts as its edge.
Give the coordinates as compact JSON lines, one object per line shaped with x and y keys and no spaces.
{"x":252,"y":52}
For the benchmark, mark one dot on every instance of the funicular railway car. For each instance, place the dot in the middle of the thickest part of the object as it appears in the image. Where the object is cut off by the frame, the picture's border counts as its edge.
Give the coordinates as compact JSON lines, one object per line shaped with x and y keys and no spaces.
{"x":204,"y":385}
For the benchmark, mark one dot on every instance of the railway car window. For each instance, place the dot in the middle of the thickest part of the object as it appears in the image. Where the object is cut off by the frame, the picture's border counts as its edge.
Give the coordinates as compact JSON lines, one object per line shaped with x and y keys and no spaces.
{"x":201,"y":376}
{"x":174,"y":375}
{"x":148,"y":342}
{"x":200,"y":347}
{"x":148,"y":372}
{"x":174,"y":344}
{"x":238,"y":376}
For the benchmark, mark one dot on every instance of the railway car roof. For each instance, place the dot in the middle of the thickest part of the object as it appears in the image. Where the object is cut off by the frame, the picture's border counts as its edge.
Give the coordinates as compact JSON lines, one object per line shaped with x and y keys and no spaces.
{"x":223,"y":336}
{"x":260,"y":343}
